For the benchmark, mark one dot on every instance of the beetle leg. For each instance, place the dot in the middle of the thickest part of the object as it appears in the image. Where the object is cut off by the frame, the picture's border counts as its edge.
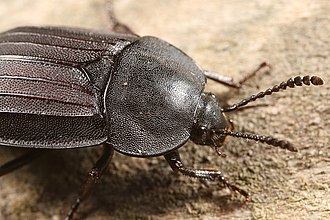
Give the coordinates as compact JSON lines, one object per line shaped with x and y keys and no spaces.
{"x":20,"y":161}
{"x":228,"y":81}
{"x":173,"y":158}
{"x":116,"y":25}
{"x":94,"y":175}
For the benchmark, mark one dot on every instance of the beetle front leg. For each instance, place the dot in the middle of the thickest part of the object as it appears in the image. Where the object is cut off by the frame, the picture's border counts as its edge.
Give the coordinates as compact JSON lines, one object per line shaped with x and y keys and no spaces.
{"x":228,"y":81}
{"x":94,"y":175}
{"x":176,"y":164}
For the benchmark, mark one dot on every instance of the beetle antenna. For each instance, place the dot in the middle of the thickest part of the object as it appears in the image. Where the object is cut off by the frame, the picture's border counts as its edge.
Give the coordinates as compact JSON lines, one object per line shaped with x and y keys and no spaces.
{"x":263,"y":139}
{"x":291,"y":83}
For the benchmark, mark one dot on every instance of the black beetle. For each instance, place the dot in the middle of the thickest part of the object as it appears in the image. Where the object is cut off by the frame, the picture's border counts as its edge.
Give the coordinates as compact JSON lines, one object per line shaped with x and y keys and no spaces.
{"x":69,"y":88}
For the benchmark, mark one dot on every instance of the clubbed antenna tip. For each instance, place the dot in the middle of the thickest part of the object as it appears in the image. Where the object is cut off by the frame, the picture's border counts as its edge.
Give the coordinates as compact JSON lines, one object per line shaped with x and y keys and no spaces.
{"x":263,"y":139}
{"x":315,"y":80}
{"x":291,"y":83}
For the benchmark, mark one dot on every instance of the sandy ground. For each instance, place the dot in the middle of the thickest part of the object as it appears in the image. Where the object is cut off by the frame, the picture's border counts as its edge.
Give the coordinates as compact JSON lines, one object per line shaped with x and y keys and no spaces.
{"x":229,"y":37}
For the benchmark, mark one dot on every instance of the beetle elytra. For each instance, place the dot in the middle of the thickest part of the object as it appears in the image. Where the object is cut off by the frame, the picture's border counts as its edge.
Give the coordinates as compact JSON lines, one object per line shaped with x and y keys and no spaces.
{"x":68,"y":88}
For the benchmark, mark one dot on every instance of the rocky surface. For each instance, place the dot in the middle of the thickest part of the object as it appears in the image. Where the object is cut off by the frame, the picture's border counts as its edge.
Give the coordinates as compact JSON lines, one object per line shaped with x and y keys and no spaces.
{"x":229,"y":37}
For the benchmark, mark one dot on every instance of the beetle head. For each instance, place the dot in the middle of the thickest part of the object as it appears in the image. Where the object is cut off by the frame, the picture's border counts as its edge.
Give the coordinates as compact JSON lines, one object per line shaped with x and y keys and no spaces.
{"x":211,"y":125}
{"x":208,"y":120}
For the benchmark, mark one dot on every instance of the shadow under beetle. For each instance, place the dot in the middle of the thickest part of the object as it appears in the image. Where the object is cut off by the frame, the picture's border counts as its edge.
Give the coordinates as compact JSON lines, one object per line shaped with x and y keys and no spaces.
{"x":69,"y":88}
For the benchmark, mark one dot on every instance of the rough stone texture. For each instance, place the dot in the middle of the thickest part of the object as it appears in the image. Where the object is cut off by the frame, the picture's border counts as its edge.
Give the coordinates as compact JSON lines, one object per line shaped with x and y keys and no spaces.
{"x":230,"y":37}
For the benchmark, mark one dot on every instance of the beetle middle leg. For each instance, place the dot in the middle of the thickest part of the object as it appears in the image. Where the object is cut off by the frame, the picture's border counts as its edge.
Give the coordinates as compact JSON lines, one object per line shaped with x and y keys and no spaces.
{"x":173,"y":158}
{"x":94,"y":175}
{"x":228,"y":81}
{"x":20,"y":161}
{"x":116,"y":25}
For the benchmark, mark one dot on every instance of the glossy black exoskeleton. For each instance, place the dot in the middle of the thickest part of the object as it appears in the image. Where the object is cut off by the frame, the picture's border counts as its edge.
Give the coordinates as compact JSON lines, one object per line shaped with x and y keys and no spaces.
{"x":67,"y":88}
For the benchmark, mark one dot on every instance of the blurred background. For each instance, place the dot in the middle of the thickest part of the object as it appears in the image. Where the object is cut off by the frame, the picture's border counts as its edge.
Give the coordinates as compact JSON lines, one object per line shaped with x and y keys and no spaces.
{"x":229,"y":37}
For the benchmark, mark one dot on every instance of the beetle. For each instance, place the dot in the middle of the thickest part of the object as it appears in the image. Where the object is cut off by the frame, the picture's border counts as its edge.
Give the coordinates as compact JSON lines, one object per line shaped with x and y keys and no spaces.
{"x":66,"y":88}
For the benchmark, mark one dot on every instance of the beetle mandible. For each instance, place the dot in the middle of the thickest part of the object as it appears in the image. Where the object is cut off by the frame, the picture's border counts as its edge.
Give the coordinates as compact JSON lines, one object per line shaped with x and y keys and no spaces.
{"x":69,"y":88}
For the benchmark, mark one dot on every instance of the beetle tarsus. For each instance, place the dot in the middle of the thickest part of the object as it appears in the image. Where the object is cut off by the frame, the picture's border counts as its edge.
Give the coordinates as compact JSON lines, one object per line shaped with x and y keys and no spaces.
{"x":254,"y":72}
{"x":176,"y":164}
{"x":94,"y":175}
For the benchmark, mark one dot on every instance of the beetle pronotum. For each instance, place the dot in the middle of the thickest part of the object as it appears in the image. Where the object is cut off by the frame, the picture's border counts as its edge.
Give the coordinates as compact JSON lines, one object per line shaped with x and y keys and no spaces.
{"x":69,"y":88}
